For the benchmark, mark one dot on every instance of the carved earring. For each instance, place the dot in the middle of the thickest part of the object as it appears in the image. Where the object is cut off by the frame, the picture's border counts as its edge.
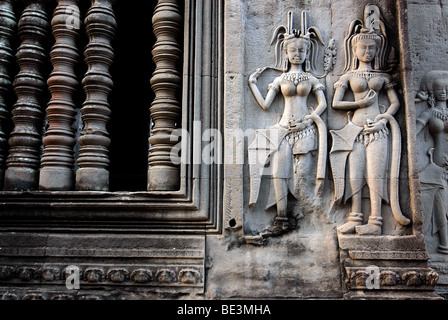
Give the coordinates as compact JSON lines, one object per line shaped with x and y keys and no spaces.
{"x":307,"y":65}
{"x":377,"y":61}
{"x":355,"y":63}
{"x":431,"y":100}
{"x":285,"y":65}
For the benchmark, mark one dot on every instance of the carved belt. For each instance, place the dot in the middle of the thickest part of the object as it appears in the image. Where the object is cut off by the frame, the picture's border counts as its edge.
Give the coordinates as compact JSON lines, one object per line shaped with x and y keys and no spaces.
{"x":293,"y":137}
{"x":366,"y":138}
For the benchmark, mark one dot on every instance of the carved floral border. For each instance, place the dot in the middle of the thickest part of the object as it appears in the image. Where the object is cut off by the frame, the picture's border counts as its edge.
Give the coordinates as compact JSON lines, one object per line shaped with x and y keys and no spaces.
{"x":400,"y":278}
{"x":154,"y":276}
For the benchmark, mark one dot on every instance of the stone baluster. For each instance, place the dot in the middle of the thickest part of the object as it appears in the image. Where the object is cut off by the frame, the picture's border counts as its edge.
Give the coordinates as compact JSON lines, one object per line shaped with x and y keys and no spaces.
{"x":93,"y":160}
{"x":165,"y":110}
{"x":8,"y":25}
{"x":25,"y":142}
{"x":58,"y":157}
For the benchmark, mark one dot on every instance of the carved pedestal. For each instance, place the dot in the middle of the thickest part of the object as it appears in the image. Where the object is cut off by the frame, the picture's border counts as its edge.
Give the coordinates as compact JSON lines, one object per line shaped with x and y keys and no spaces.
{"x":386,"y":267}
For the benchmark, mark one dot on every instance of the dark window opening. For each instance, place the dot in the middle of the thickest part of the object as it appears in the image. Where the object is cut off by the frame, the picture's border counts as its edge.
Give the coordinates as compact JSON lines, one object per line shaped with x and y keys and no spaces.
{"x":131,"y":96}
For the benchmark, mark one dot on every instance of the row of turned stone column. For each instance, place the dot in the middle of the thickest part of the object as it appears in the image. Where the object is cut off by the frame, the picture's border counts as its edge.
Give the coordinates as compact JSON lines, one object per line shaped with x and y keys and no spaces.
{"x":27,"y":168}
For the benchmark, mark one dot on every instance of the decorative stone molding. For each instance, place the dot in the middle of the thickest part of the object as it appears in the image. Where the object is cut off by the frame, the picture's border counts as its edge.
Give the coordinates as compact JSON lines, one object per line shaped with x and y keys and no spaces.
{"x":58,"y":156}
{"x":49,"y":274}
{"x":118,"y":275}
{"x":35,"y":296}
{"x":9,"y":296}
{"x":23,"y":161}
{"x":165,"y":109}
{"x":165,"y":276}
{"x":23,"y":295}
{"x":390,"y":277}
{"x":27,"y":273}
{"x":141,"y":275}
{"x":153,"y":263}
{"x":388,"y":255}
{"x":94,"y":275}
{"x":93,"y":160}
{"x":62,"y":297}
{"x":104,"y":275}
{"x":189,"y":276}
{"x":8,"y":26}
{"x":7,"y":272}
{"x":398,"y":266}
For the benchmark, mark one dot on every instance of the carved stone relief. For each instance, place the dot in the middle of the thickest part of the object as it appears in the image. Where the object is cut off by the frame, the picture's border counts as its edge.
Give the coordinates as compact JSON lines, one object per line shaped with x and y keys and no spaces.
{"x":362,"y":193}
{"x":291,"y":177}
{"x":365,"y":156}
{"x":360,"y":151}
{"x":432,"y":124}
{"x":149,"y":263}
{"x":149,"y":275}
{"x":289,"y":145}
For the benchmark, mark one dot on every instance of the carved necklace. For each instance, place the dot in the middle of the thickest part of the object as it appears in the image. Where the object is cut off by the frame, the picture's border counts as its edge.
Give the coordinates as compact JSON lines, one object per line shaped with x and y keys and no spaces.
{"x":442,"y":114}
{"x":296,"y":77}
{"x":365,"y":74}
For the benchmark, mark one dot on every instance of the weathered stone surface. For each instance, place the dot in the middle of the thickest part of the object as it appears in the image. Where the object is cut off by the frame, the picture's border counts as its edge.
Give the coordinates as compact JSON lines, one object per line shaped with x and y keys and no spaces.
{"x":430,"y":33}
{"x":57,"y":172}
{"x":232,"y":74}
{"x":29,"y":85}
{"x":93,"y":159}
{"x":301,"y":264}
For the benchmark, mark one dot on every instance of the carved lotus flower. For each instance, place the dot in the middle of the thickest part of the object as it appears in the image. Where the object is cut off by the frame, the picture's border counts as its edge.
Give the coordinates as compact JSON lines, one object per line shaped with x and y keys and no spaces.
{"x":165,"y":276}
{"x":359,"y":278}
{"x":118,"y":275}
{"x":68,"y":271}
{"x":432,"y":278}
{"x":412,"y":278}
{"x":189,"y":276}
{"x":7,"y":272}
{"x":62,"y":297}
{"x":34,"y":296}
{"x":93,"y":275}
{"x":26,"y":273}
{"x":50,"y":274}
{"x":141,"y":275}
{"x":90,"y":297}
{"x":9,"y":296}
{"x":388,"y":278}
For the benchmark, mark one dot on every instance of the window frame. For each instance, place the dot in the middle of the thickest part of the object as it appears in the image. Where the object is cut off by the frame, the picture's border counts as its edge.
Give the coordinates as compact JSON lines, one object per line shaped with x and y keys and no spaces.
{"x":196,"y":207}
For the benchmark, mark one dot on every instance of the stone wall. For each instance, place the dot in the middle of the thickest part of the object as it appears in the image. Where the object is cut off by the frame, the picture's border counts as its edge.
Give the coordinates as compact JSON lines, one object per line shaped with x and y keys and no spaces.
{"x":306,"y":262}
{"x":428,"y":53}
{"x":227,"y":227}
